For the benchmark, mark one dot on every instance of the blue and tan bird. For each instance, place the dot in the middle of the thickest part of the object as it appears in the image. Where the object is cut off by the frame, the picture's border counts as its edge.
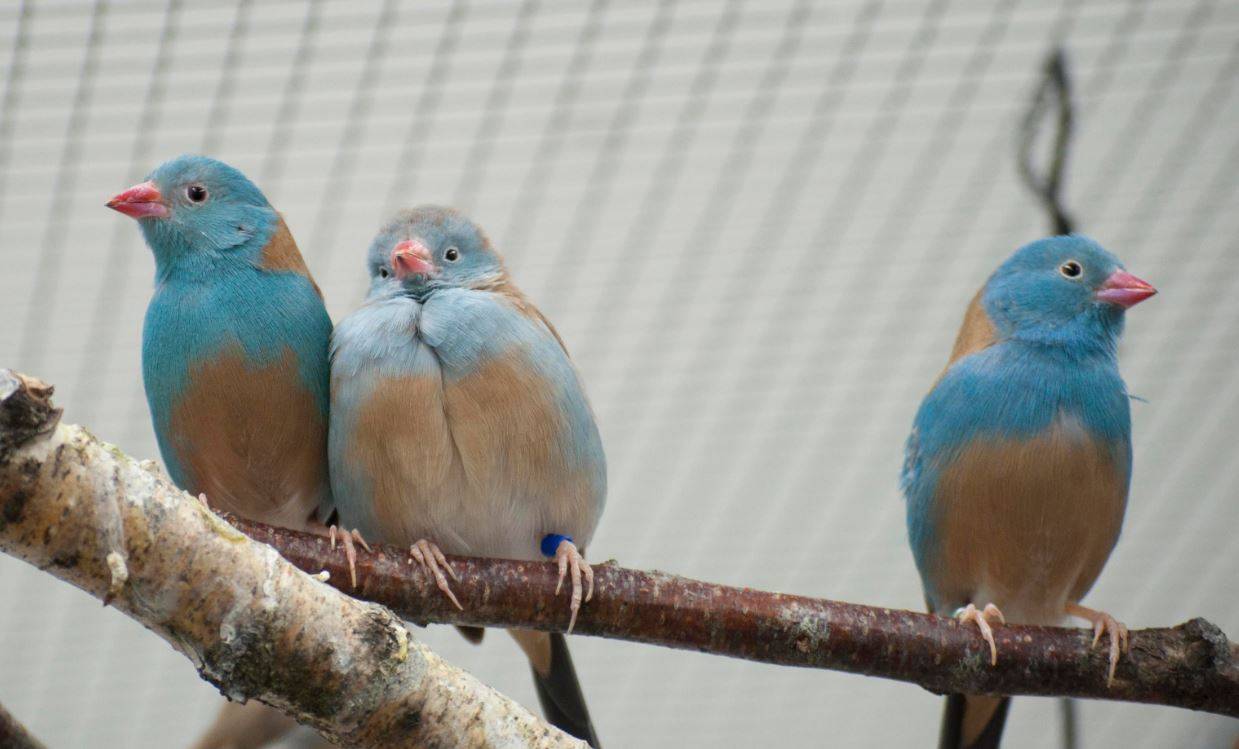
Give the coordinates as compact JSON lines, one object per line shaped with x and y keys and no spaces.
{"x":459,"y":424}
{"x":234,"y":353}
{"x":1017,"y":469}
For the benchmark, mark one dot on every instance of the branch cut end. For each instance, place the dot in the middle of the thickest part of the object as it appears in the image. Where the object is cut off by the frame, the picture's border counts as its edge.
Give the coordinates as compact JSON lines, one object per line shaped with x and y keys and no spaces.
{"x":26,"y":410}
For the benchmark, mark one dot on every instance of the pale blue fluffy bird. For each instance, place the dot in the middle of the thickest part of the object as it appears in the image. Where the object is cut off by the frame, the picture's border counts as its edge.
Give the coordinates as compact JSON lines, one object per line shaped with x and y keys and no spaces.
{"x":459,"y":424}
{"x":1017,"y":469}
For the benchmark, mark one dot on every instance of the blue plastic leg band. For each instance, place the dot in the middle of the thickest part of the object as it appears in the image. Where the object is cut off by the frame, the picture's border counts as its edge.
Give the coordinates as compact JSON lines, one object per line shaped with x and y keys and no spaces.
{"x":551,"y":541}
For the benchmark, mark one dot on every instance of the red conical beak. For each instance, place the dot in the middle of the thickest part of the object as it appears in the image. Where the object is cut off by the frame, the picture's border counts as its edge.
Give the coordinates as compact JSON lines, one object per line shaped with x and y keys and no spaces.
{"x":1125,"y":290}
{"x":411,"y":257}
{"x":140,"y":201}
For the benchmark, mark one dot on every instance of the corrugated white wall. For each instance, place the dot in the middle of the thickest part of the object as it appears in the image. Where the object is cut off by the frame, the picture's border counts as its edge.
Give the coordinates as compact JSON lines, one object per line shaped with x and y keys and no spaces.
{"x":756,"y":225}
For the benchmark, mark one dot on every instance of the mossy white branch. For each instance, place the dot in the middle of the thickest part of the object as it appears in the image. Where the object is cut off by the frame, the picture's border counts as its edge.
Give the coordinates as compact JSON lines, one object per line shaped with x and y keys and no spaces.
{"x":251,"y":623}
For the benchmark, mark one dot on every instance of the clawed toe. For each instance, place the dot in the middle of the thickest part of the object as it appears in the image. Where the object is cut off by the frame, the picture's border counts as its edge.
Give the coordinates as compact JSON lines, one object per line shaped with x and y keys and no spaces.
{"x":434,"y":562}
{"x":982,"y":618}
{"x":1104,"y":623}
{"x":1118,"y":641}
{"x":570,"y":560}
{"x":347,"y":539}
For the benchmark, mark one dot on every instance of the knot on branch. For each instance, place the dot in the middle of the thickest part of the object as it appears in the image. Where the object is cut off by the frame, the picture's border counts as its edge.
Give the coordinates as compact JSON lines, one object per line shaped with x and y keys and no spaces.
{"x":26,"y":410}
{"x":1206,"y":646}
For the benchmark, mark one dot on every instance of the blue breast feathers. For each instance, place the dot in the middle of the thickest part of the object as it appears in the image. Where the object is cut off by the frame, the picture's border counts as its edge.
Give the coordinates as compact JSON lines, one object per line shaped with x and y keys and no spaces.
{"x":1012,"y":391}
{"x":201,"y":308}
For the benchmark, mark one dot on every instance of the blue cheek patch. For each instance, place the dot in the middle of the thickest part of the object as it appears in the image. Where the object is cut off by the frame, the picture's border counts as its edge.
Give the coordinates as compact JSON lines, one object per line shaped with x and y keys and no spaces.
{"x":551,"y":542}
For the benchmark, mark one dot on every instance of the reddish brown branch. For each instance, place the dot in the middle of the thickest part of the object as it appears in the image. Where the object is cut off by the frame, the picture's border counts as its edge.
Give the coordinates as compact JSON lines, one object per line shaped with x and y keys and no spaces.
{"x":1191,"y":665}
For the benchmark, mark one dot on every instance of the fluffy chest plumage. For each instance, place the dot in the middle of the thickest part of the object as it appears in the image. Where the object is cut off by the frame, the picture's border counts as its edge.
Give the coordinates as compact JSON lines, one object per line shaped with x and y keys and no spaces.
{"x":1016,"y":476}
{"x":461,"y":420}
{"x":235,"y":369}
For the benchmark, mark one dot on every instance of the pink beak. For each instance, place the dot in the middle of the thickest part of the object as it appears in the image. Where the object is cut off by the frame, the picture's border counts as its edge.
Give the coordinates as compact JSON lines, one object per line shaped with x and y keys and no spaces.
{"x":411,"y":257}
{"x":140,"y":201}
{"x":1124,"y":289}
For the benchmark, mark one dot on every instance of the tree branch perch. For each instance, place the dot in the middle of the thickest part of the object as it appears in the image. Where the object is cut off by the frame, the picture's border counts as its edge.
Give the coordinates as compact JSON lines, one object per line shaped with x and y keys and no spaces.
{"x":1192,"y":665}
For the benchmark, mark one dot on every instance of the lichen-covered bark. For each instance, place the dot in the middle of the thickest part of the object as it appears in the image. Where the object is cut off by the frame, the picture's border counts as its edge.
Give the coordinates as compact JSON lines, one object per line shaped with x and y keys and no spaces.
{"x":250,"y":622}
{"x":1192,"y":665}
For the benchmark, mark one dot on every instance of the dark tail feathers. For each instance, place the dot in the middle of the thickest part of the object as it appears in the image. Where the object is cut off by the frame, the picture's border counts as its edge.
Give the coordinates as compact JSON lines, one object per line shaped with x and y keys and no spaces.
{"x":472,"y":634}
{"x":559,"y":692}
{"x":973,"y":722}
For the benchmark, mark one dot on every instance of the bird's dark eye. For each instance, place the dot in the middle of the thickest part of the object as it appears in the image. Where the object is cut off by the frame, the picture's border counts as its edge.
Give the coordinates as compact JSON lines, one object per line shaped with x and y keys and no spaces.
{"x":196,"y":193}
{"x":451,"y":254}
{"x":1070,"y":269}
{"x":384,"y":273}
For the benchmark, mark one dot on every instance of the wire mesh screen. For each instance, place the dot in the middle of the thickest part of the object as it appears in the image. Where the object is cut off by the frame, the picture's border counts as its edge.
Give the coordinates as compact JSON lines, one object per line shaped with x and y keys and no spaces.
{"x":756,"y":226}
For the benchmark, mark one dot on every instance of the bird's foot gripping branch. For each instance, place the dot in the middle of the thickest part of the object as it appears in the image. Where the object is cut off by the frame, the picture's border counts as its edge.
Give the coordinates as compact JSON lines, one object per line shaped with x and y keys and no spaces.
{"x":256,"y":627}
{"x":1192,"y":665}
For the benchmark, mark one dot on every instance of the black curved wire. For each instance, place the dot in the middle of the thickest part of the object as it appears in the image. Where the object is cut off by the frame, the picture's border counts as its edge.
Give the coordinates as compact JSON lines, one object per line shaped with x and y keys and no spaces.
{"x":1051,"y":100}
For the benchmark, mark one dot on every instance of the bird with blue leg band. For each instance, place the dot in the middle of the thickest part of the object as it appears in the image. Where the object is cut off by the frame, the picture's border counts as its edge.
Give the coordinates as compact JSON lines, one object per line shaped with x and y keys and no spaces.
{"x":460,"y":425}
